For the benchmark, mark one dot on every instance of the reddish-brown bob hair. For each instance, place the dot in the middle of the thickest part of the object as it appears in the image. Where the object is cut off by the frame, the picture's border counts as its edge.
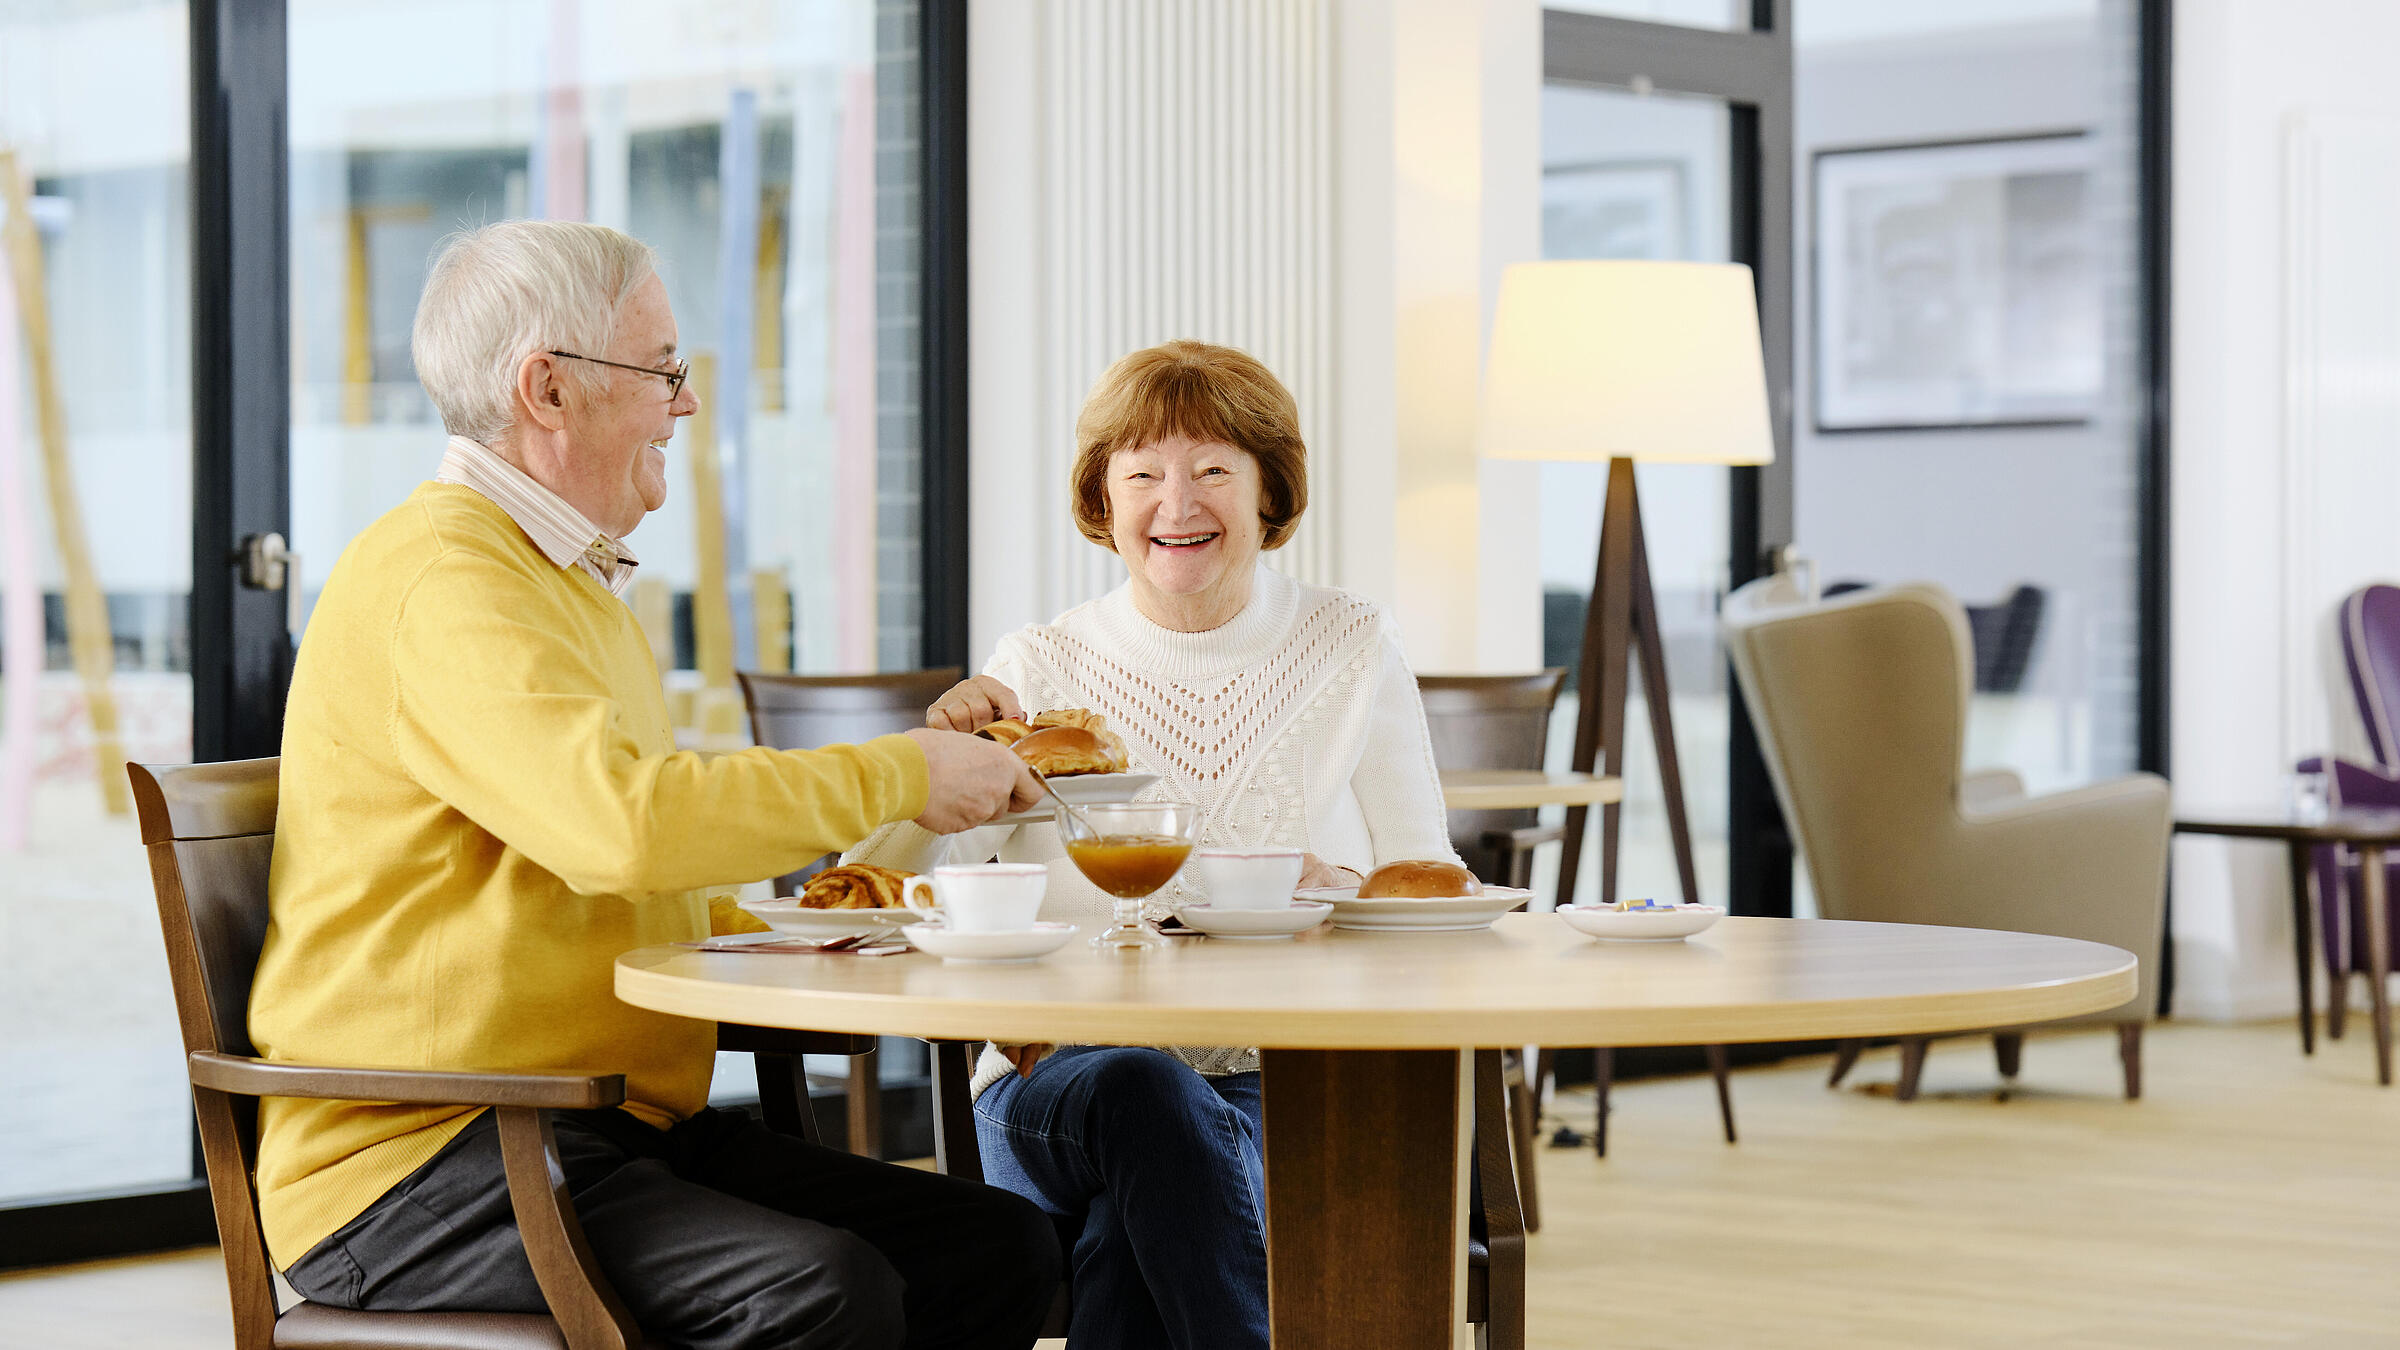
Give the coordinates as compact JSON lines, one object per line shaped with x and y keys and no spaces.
{"x":1206,"y":392}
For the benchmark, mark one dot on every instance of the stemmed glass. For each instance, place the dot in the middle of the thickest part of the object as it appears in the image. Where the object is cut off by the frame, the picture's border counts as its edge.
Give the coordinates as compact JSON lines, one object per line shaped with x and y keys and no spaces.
{"x":1129,"y":849}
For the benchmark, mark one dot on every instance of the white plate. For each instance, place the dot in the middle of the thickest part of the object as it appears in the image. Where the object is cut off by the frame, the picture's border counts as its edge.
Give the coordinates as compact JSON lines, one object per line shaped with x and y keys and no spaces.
{"x":793,"y":919}
{"x":1650,"y":925}
{"x":1219,"y":922}
{"x":1085,"y":789}
{"x":1434,"y":914}
{"x":1024,"y":944}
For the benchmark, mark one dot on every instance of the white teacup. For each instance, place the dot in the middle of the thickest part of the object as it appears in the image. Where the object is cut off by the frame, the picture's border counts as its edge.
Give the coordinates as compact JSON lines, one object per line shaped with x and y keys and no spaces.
{"x":980,"y":897}
{"x":1248,"y":878}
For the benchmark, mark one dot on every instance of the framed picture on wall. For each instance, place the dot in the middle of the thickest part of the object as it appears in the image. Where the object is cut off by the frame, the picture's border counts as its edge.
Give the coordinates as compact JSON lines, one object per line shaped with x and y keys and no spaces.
{"x":1637,"y":208}
{"x":1957,"y":285}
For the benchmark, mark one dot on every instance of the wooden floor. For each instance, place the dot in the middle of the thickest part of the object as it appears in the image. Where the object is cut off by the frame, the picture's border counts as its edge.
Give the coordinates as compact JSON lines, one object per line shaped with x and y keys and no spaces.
{"x":2253,"y":1199}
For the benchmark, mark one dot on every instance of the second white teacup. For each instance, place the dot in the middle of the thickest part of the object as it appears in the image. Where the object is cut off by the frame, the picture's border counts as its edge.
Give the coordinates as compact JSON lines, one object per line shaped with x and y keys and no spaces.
{"x":980,"y":897}
{"x":1248,"y":878}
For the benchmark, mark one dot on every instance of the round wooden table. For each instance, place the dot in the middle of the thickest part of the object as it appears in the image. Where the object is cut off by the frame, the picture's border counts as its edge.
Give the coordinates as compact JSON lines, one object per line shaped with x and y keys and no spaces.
{"x":1368,"y":1040}
{"x":1514,"y":789}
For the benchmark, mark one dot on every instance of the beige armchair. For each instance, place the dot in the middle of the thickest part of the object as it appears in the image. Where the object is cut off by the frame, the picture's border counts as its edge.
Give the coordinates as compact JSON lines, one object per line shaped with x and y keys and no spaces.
{"x":1861,"y":704}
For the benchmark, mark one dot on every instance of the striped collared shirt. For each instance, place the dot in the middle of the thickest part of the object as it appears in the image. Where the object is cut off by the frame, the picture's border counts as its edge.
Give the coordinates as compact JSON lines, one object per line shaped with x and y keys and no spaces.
{"x":560,"y":531}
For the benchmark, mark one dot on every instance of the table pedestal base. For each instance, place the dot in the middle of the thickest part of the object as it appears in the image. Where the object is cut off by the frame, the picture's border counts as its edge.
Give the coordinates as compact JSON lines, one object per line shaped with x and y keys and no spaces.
{"x":1366,"y":1199}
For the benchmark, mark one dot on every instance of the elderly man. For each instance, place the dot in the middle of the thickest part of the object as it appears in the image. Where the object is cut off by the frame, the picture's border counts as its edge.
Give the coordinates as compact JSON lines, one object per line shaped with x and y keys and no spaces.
{"x":482,"y":806}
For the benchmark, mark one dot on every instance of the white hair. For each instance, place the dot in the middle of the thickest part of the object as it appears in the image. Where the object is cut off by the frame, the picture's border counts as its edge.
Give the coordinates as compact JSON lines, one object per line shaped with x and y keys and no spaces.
{"x":499,"y":293}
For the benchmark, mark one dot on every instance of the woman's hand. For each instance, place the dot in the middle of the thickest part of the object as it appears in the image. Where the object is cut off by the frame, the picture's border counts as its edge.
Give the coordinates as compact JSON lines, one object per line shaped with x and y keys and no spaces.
{"x":1025,"y":1056}
{"x":1316,"y":873}
{"x":973,"y":704}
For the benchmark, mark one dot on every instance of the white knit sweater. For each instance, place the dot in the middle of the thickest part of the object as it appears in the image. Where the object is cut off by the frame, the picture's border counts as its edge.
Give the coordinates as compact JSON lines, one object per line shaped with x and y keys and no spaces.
{"x":1294,"y":725}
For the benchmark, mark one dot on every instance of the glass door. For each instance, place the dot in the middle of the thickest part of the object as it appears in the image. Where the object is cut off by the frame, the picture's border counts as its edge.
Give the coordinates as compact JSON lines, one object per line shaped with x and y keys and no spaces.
{"x":1664,"y":140}
{"x":96,"y":653}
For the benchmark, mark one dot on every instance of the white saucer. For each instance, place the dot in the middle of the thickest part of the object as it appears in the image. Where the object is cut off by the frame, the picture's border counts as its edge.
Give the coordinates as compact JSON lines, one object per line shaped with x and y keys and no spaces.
{"x":1084,"y":789}
{"x":1418,"y":914}
{"x":1640,"y":925}
{"x":793,"y":919}
{"x":1255,"y":924}
{"x":1023,"y":944}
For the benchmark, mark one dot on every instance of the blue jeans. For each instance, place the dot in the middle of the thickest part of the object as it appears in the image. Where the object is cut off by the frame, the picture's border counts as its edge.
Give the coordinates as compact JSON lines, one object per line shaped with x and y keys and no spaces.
{"x":1164,"y":1168}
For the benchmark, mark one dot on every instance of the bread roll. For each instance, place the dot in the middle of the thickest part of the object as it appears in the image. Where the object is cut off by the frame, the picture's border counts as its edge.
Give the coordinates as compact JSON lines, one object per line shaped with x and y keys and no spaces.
{"x":854,"y":886}
{"x":1421,"y":880}
{"x":1061,"y":752}
{"x":1007,"y":731}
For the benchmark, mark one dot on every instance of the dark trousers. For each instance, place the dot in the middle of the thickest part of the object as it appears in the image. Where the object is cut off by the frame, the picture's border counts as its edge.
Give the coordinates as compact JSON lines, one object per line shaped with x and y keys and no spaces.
{"x":1163,"y":1169}
{"x":718,"y":1234}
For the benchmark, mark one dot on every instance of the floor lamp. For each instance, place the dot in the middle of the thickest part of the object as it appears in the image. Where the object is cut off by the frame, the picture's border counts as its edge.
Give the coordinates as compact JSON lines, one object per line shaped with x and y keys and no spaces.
{"x":1626,"y":361}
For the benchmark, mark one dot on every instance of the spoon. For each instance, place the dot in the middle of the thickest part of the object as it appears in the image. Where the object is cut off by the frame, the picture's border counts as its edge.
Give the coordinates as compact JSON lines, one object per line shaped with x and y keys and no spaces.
{"x":1082,"y":821}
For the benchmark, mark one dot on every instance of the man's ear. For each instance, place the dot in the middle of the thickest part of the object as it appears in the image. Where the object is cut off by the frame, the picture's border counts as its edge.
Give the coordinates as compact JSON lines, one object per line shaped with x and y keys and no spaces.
{"x":541,"y":392}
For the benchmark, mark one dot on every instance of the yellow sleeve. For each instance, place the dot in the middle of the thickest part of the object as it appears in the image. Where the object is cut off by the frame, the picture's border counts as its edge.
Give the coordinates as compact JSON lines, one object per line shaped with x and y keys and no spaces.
{"x":500,"y":712}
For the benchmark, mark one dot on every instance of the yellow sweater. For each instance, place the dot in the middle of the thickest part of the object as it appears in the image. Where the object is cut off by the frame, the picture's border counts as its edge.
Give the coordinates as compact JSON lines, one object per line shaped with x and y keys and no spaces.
{"x":481,"y":808}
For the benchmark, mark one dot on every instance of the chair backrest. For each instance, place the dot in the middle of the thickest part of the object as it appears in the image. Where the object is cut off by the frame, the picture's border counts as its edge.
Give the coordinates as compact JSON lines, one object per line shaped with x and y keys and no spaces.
{"x":802,"y":712}
{"x":1489,"y":722}
{"x":210,"y":832}
{"x":2003,"y":638}
{"x":1860,"y":703}
{"x":2370,"y":626}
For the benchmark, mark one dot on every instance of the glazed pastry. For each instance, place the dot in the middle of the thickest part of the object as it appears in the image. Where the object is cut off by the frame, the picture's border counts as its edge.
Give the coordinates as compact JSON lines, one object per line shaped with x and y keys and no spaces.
{"x":1423,"y":880}
{"x":854,"y":886}
{"x":1060,"y":752}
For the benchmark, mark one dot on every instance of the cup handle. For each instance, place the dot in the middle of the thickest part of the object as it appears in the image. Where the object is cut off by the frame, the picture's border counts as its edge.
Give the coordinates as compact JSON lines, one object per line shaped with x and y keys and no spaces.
{"x":930,"y":912}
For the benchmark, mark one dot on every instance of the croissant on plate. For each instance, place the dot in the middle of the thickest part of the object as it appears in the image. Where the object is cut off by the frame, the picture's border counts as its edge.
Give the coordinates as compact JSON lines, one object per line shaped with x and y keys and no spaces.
{"x":854,"y":886}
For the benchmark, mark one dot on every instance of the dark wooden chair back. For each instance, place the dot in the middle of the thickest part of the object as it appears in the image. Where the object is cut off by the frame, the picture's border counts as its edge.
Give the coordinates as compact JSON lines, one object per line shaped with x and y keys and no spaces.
{"x":802,"y":712}
{"x":210,"y":832}
{"x":1492,"y":722}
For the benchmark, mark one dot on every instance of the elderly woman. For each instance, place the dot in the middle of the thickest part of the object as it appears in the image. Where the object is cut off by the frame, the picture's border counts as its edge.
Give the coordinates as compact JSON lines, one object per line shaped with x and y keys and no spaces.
{"x":1286,"y":713}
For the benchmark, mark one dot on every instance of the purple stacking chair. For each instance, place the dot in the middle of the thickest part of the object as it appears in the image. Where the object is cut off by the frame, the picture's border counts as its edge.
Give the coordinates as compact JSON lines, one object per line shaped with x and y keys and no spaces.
{"x":2370,"y":629}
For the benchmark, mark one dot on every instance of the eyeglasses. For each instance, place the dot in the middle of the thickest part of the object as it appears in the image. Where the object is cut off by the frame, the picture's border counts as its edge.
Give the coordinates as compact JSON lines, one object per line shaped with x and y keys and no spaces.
{"x":674,"y":378}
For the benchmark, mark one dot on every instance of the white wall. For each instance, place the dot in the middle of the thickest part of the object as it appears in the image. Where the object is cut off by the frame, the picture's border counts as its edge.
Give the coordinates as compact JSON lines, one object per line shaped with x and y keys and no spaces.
{"x":1403,"y":136}
{"x":2247,"y":74}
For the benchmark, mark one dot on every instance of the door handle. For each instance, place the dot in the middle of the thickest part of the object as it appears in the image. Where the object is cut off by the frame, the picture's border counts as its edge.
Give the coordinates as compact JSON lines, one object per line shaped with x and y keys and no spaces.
{"x":268,"y":564}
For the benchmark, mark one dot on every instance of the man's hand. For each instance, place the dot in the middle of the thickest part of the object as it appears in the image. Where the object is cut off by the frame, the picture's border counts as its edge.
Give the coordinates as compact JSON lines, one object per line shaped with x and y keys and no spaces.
{"x":973,"y":704}
{"x":972,"y":781}
{"x":1025,"y":1056}
{"x":1315,"y":873}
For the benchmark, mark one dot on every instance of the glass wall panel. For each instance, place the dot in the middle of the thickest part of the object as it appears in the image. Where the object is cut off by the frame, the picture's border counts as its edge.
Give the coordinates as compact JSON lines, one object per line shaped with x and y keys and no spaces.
{"x":1969,"y":352}
{"x":770,"y":154}
{"x":93,"y":118}
{"x":1644,"y":176}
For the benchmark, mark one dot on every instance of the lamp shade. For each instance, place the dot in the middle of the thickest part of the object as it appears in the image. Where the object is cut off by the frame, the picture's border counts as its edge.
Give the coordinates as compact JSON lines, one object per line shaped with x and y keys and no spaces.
{"x":1652,"y":361}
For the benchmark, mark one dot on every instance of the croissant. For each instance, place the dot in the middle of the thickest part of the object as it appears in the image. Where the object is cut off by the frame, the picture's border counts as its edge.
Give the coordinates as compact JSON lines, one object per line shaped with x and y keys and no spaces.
{"x":854,"y":886}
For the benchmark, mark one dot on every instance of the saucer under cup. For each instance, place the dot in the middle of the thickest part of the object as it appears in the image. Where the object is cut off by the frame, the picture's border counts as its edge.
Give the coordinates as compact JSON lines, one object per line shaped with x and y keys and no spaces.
{"x":1255,"y":925}
{"x":989,"y":949}
{"x":1247,"y":878}
{"x":980,"y":897}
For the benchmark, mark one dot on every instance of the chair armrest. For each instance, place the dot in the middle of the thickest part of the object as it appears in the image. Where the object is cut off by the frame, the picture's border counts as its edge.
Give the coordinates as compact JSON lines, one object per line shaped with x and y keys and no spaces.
{"x":743,"y":1040}
{"x":2086,"y":863}
{"x":1986,"y":788}
{"x":247,"y":1077}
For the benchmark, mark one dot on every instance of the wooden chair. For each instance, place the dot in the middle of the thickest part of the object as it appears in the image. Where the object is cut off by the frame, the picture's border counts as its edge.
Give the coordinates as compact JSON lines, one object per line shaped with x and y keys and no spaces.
{"x":802,"y":712}
{"x":1495,"y":1262}
{"x":1503,"y":722}
{"x":210,"y":830}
